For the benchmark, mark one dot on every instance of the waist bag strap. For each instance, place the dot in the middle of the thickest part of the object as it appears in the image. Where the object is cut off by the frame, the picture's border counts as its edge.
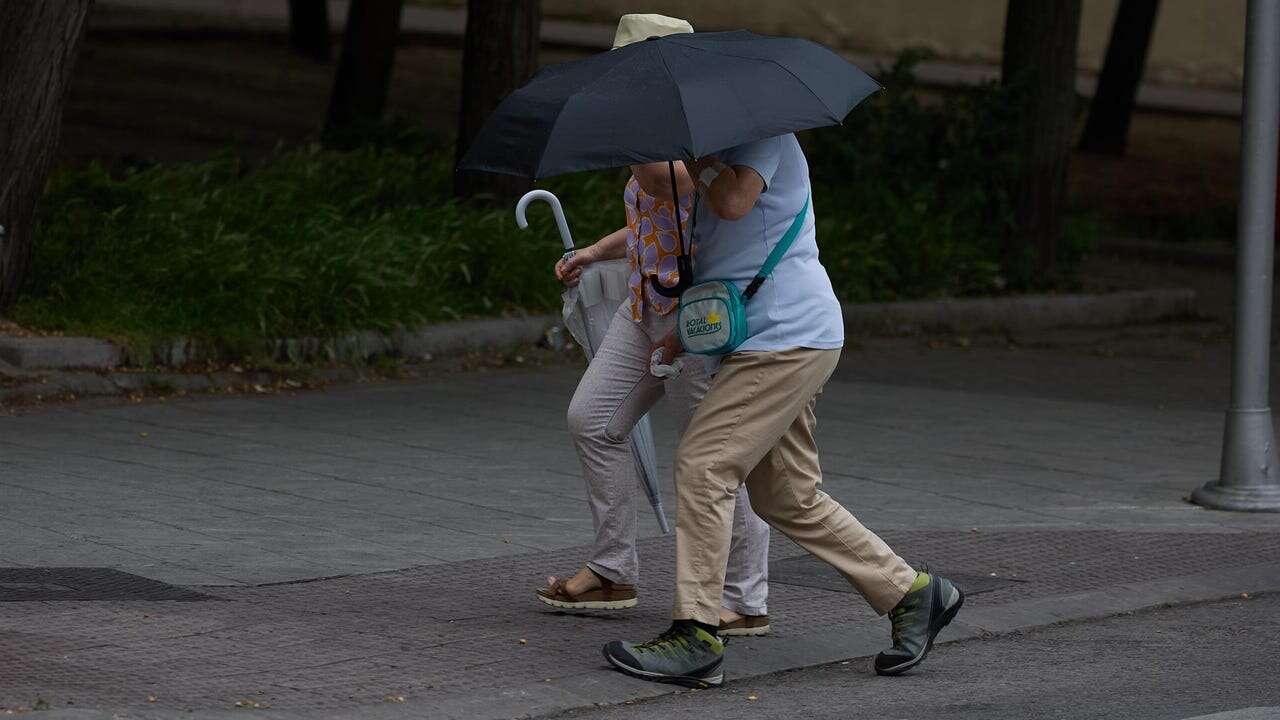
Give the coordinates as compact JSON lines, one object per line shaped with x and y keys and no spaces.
{"x":779,"y":250}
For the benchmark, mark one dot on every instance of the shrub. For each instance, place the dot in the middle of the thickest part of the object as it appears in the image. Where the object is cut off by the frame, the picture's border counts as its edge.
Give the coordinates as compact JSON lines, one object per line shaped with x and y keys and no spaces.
{"x":910,"y":194}
{"x":310,"y":242}
{"x":921,"y":186}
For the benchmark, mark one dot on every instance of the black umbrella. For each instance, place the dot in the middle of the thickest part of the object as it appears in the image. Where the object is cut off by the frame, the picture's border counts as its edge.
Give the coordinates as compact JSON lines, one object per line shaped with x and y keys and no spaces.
{"x":681,"y":96}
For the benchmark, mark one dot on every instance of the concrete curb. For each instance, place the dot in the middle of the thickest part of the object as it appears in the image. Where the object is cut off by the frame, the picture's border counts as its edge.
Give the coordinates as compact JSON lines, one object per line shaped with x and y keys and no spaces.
{"x":1026,"y":312}
{"x":1193,"y":254}
{"x":71,"y":385}
{"x":78,"y":377}
{"x":423,"y":343}
{"x":46,"y":352}
{"x":68,"y":353}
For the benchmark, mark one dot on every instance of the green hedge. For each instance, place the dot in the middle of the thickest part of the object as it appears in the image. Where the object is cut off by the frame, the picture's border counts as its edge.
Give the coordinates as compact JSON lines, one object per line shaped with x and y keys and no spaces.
{"x":915,"y":188}
{"x":910,"y":195}
{"x":311,"y":242}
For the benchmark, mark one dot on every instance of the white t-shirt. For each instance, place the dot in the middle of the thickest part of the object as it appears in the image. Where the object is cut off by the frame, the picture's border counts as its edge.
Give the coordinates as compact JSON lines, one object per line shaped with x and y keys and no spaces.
{"x":796,"y":307}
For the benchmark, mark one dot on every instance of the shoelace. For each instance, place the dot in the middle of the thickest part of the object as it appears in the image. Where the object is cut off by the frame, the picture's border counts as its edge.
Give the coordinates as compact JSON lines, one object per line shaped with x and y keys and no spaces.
{"x":900,"y":617}
{"x":672,"y":636}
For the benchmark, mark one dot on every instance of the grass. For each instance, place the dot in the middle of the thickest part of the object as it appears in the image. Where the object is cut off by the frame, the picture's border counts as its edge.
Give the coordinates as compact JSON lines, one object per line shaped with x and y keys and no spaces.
{"x":310,"y":243}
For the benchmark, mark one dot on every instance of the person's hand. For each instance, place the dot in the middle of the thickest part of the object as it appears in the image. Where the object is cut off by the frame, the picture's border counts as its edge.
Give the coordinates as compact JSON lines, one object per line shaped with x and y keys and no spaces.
{"x":670,"y":347}
{"x":697,"y":167}
{"x":569,"y":269}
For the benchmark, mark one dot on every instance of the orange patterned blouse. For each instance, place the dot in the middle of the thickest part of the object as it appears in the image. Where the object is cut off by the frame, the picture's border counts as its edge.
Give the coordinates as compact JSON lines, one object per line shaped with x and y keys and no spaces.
{"x":653,"y":246}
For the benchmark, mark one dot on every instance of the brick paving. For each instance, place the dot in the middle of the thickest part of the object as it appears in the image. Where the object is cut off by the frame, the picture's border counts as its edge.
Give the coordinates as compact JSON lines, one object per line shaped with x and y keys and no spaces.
{"x":472,"y":628}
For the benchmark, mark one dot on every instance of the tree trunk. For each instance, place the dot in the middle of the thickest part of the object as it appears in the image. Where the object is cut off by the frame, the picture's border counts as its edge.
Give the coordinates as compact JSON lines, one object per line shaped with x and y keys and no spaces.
{"x":38,"y":44}
{"x":1107,"y":129}
{"x":1040,"y":65}
{"x":500,"y":54}
{"x":309,"y":28}
{"x":364,"y":67}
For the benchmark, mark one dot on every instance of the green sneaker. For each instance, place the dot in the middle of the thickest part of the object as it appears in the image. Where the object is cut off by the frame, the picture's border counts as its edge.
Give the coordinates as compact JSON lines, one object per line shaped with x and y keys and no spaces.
{"x":684,"y":655}
{"x":917,"y":620}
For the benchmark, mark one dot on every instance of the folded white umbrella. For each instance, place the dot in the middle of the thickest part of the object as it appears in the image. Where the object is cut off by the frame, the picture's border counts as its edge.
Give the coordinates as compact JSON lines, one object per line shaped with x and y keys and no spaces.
{"x":587,"y":311}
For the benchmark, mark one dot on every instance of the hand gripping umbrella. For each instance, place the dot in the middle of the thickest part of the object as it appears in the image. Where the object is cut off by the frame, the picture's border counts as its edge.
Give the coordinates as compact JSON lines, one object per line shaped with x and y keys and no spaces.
{"x":682,"y":96}
{"x":587,"y":310}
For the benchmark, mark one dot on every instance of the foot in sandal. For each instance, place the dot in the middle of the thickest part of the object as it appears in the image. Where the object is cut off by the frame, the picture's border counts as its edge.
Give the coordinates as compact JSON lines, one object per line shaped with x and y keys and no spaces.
{"x":733,"y":624}
{"x":587,"y":591}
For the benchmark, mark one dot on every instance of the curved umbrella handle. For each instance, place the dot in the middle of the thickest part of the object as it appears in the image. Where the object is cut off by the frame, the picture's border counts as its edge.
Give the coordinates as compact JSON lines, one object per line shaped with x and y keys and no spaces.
{"x":554,"y":202}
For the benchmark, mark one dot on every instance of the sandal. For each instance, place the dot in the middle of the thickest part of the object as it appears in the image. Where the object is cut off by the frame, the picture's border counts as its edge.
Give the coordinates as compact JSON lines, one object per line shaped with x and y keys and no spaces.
{"x":746,"y":626}
{"x":609,"y":596}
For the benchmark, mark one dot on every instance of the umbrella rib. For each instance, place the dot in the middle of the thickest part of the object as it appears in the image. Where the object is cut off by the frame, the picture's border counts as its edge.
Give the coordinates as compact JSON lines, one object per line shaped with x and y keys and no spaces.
{"x":679,"y":97}
{"x":537,"y":167}
{"x":606,"y":75}
{"x":823,"y":103}
{"x":837,"y":118}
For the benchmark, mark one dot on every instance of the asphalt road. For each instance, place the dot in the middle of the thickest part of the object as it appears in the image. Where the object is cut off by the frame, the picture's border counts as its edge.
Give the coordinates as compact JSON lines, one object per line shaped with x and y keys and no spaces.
{"x":1165,"y":664}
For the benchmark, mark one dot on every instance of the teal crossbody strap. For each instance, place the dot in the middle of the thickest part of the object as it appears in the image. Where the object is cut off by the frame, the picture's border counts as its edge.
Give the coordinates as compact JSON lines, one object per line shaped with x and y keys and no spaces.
{"x":779,"y":250}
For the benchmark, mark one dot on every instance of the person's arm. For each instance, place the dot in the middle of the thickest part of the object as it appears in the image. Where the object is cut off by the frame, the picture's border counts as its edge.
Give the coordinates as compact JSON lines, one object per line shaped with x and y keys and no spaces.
{"x":731,"y":191}
{"x":655,"y":180}
{"x":609,"y":247}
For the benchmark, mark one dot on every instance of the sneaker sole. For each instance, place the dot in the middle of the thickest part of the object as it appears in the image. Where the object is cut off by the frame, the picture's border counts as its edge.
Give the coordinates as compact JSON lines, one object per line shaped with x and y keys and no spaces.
{"x":745,"y":632}
{"x":947,"y":616}
{"x":590,"y":604}
{"x":685,"y":680}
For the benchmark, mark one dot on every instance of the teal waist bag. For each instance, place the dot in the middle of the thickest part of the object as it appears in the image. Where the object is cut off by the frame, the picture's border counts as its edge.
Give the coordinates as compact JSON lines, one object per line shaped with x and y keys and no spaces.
{"x":712,"y":319}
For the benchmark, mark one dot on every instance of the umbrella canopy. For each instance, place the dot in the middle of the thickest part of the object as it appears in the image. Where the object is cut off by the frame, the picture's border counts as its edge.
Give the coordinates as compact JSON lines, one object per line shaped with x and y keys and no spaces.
{"x":680,"y":96}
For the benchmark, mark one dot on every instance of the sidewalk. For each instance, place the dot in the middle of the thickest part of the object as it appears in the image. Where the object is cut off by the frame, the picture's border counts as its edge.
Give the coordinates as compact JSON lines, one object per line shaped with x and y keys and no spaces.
{"x":330,"y":553}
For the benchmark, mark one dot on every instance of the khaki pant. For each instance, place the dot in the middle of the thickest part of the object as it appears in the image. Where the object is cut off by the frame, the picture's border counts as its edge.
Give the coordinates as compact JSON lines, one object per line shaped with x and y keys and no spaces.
{"x":616,"y":391}
{"x":755,"y":426}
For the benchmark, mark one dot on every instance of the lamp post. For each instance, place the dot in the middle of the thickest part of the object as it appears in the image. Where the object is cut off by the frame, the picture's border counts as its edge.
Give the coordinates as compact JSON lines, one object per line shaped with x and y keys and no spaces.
{"x":1250,"y":474}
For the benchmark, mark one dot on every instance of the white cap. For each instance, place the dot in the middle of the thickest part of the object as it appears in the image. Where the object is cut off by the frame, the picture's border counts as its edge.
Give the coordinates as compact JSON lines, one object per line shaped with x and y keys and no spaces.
{"x":642,"y":26}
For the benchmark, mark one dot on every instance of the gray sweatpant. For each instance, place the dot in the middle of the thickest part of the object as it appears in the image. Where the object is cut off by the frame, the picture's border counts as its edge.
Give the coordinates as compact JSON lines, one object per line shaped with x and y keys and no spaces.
{"x":614,"y":393}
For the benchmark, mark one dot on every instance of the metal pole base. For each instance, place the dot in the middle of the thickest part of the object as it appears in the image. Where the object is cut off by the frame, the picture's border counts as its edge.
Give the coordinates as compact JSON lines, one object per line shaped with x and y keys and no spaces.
{"x":1250,"y":479}
{"x":1240,"y":499}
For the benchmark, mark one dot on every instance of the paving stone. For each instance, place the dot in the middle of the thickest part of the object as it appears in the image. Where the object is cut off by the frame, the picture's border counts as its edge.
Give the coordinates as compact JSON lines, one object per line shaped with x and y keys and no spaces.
{"x":336,"y":646}
{"x":354,"y":461}
{"x":443,"y":503}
